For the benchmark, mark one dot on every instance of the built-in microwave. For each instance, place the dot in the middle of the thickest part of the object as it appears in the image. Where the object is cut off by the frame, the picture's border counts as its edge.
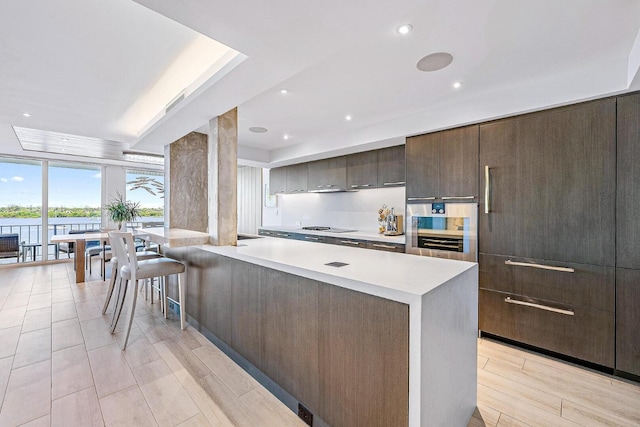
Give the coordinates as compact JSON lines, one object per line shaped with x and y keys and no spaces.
{"x":444,"y":230}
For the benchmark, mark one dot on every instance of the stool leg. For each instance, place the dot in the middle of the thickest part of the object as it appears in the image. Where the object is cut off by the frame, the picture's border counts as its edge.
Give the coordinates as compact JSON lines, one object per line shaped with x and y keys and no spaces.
{"x":122,"y":289}
{"x":112,"y":284}
{"x":132,"y":310}
{"x":183,"y":301}
{"x":164,"y":296}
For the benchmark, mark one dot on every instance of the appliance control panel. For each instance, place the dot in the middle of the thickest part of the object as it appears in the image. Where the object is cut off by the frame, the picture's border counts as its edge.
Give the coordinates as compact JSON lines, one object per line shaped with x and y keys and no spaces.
{"x":437,"y":208}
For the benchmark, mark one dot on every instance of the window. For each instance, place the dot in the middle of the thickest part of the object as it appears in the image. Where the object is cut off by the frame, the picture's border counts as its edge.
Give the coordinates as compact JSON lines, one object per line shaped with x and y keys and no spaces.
{"x":74,"y":199}
{"x":147,"y":188}
{"x":21,"y":203}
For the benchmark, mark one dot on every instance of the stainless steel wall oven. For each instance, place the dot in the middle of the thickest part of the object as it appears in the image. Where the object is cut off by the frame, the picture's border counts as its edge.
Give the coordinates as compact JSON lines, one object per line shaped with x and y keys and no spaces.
{"x":444,"y":230}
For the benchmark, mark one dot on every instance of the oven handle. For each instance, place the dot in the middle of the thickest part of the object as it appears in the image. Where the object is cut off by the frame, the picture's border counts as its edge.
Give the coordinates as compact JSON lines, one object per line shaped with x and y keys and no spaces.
{"x":542,"y":266}
{"x":450,"y":246}
{"x":487,"y":189}
{"x":420,"y":198}
{"x":540,"y":306}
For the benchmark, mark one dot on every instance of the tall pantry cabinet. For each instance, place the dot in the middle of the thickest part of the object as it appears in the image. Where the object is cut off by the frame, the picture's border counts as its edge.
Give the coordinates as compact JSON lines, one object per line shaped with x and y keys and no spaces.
{"x":628,"y":236}
{"x":546,"y":226}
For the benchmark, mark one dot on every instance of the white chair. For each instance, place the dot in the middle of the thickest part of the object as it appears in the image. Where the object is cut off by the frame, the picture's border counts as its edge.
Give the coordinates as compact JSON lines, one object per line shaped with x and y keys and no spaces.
{"x":130,"y":271}
{"x":141,"y":256}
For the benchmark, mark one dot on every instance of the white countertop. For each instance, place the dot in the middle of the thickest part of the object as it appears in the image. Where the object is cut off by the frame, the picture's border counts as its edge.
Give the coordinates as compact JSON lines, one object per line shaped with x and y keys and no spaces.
{"x":395,"y":276}
{"x":374,"y":237}
{"x":173,"y":237}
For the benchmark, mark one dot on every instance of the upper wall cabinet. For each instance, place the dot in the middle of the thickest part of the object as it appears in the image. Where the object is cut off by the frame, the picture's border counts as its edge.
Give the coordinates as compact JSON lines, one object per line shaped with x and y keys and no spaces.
{"x":362,"y":170}
{"x":297,"y":178}
{"x":278,"y":181}
{"x":443,"y":165}
{"x":551,"y":185}
{"x":328,"y":174}
{"x":391,"y":166}
{"x":628,"y":190}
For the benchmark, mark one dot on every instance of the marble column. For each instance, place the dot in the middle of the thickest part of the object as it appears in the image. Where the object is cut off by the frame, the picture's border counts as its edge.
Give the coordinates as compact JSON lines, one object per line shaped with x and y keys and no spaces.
{"x":223,"y":176}
{"x":186,"y":184}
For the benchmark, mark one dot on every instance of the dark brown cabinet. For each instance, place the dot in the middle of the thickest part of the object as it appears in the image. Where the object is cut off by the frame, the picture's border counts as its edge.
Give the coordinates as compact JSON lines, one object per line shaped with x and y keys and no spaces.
{"x":362,"y":170}
{"x":628,"y":190}
{"x":297,"y":178}
{"x":551,"y":184}
{"x":391,"y":166}
{"x":627,"y":321}
{"x":328,"y":174}
{"x":443,"y":165}
{"x":423,"y":167}
{"x":547,"y":254}
{"x":278,"y":181}
{"x":628,"y":236}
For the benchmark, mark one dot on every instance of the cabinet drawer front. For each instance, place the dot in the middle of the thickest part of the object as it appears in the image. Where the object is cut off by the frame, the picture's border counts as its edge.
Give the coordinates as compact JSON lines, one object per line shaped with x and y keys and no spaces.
{"x":587,"y":286}
{"x":586,"y":334}
{"x":314,"y":238}
{"x":389,"y":247}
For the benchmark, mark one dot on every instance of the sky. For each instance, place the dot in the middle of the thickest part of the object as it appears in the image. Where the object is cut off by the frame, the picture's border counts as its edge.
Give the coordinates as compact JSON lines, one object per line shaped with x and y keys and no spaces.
{"x":21,"y":184}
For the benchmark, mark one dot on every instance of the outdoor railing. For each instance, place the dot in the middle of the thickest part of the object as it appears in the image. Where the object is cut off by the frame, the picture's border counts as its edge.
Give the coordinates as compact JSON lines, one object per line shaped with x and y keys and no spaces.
{"x":32,"y":233}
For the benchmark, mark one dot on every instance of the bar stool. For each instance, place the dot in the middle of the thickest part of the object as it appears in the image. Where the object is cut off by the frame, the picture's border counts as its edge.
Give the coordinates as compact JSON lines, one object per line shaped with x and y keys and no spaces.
{"x":141,"y":256}
{"x":131,"y":271}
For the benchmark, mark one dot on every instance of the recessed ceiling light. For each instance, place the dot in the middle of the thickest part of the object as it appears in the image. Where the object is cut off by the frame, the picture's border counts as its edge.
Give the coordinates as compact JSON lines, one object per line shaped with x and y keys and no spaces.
{"x":257,"y":129}
{"x":435,"y":61}
{"x":284,"y":91}
{"x":404,"y":29}
{"x":26,"y":114}
{"x":347,"y":117}
{"x":457,"y":85}
{"x":286,"y":136}
{"x":65,"y":139}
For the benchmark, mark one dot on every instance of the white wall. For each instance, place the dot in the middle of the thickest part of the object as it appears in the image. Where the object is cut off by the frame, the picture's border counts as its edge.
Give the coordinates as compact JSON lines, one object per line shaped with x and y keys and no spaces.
{"x":352,"y":210}
{"x":249,"y":199}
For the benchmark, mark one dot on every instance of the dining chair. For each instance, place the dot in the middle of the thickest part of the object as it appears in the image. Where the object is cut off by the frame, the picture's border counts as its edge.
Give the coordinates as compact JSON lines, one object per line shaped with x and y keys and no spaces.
{"x":131,"y":270}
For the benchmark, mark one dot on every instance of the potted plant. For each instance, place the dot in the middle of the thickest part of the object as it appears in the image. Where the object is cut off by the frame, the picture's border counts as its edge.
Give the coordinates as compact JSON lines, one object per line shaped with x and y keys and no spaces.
{"x":122,"y":211}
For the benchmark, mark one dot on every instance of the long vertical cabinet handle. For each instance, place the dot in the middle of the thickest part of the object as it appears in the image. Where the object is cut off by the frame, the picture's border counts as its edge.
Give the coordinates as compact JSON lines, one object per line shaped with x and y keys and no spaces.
{"x":487,"y":190}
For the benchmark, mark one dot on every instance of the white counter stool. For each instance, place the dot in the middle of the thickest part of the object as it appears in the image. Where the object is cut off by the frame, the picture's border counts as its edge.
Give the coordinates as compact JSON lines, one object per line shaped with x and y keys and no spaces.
{"x":141,"y":256}
{"x":131,"y":271}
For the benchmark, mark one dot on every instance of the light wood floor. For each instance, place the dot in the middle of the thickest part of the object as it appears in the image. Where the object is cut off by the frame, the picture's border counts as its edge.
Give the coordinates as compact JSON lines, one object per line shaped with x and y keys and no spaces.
{"x":59,"y":366}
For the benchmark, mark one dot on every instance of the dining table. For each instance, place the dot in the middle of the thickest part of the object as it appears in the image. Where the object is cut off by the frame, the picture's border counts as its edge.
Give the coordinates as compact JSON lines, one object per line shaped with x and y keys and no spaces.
{"x":164,"y":237}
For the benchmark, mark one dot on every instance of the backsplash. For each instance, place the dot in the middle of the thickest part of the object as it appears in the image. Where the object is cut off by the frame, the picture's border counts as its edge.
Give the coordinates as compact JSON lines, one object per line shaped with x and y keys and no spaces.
{"x":354,"y":210}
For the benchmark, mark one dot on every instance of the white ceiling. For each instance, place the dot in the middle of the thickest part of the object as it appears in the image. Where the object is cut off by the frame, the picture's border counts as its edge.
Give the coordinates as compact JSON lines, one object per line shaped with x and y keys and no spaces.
{"x":80,"y":66}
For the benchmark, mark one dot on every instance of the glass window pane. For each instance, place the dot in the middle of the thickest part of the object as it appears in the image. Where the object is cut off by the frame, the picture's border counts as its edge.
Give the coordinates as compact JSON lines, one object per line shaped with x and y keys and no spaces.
{"x":21,"y":204}
{"x":74,"y":201}
{"x":147,"y":188}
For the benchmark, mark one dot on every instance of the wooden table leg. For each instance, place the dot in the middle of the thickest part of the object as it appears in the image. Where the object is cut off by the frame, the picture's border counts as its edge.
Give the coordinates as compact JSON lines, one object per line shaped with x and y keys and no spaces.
{"x":81,"y":245}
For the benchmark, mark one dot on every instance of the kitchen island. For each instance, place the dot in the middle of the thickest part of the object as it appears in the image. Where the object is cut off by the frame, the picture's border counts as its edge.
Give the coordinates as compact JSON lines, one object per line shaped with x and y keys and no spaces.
{"x":385,"y":339}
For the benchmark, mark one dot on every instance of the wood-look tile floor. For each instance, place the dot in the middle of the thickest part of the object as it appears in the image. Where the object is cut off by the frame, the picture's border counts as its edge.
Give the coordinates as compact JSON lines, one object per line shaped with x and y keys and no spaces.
{"x":60,"y":366}
{"x":522,"y":388}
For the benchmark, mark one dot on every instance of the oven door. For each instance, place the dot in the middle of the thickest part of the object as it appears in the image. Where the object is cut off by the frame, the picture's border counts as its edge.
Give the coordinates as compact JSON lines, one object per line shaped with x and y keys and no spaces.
{"x":444,"y":230}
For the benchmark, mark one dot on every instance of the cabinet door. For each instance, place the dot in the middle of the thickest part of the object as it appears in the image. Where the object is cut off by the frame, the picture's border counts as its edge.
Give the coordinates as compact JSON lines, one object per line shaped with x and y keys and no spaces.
{"x":459,"y":162}
{"x":278,"y":181}
{"x":551,"y":184}
{"x":628,"y":190}
{"x":297,"y":178}
{"x":328,"y":174}
{"x":391,"y":166}
{"x":627,"y":321}
{"x":362,"y":170}
{"x":423,"y":170}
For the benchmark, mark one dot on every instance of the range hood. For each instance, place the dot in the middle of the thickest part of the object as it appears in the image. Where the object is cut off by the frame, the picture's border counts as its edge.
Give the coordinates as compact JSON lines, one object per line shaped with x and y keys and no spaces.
{"x":330,"y":188}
